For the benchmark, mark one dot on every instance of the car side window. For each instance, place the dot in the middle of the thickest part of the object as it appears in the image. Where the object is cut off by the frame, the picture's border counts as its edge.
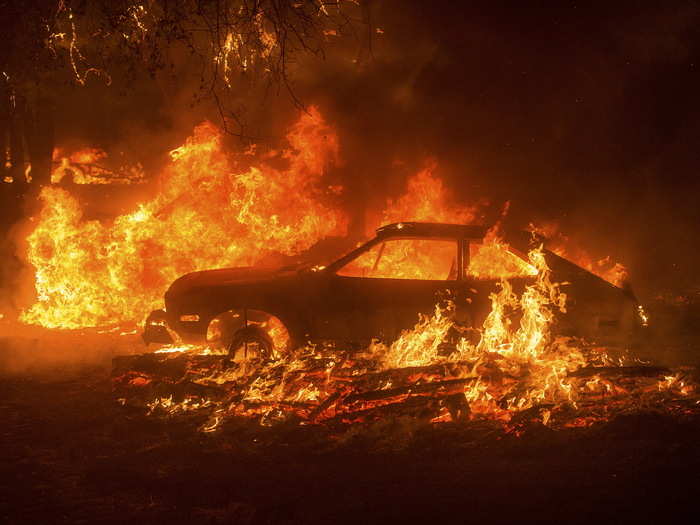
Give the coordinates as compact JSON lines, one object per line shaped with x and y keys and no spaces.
{"x":493,"y":260}
{"x":423,"y":259}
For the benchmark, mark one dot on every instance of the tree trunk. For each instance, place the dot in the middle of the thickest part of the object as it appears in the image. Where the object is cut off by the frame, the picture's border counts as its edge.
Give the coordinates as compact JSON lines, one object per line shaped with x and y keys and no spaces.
{"x":39,"y":133}
{"x":4,"y":131}
{"x":17,"y":147}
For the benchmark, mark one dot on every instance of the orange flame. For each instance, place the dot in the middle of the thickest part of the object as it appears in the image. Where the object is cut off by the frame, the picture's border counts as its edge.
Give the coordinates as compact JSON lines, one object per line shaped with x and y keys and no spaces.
{"x":427,"y":199}
{"x":512,"y":350}
{"x":84,"y":167}
{"x":207,"y":214}
{"x":605,"y":268}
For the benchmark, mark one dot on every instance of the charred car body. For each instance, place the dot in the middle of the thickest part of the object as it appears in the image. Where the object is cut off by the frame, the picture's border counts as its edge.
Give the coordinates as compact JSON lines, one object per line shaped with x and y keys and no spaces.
{"x":378,"y":289}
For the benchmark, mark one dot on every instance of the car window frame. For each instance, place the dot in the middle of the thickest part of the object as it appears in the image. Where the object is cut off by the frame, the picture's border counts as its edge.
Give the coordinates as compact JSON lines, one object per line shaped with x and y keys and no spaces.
{"x":338,"y":265}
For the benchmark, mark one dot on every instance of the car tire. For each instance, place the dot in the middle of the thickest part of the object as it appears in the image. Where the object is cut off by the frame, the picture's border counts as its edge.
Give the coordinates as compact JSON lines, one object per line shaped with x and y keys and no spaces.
{"x":252,"y":343}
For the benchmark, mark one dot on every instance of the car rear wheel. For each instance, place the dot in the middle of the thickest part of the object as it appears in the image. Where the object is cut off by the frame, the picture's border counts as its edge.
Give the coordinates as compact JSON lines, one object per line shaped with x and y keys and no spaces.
{"x":250,"y":343}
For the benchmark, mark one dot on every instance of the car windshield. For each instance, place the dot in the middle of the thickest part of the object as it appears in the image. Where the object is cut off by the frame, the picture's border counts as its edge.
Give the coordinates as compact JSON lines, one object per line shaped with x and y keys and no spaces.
{"x":407,"y":258}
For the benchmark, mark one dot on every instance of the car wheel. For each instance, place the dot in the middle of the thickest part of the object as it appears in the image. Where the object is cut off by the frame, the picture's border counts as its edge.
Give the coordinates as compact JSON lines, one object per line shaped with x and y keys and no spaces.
{"x":250,"y":343}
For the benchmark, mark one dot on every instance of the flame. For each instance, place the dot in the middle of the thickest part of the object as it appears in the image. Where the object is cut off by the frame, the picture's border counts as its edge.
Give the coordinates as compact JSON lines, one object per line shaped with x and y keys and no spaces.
{"x":643,"y":316}
{"x":420,"y":346}
{"x":81,"y":167}
{"x":527,"y":349}
{"x":208,"y":213}
{"x":613,"y":272}
{"x":493,"y":259}
{"x":605,"y":268}
{"x":407,"y":259}
{"x":676,"y":383}
{"x":427,"y":199}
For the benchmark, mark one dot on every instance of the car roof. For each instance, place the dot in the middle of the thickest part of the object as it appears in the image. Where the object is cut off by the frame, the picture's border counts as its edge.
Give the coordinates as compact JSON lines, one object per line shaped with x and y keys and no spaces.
{"x":432,"y":229}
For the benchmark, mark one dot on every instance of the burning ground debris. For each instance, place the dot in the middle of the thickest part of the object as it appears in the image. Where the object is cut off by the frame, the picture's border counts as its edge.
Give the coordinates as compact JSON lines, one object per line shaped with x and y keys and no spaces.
{"x":511,"y":373}
{"x":337,"y":390}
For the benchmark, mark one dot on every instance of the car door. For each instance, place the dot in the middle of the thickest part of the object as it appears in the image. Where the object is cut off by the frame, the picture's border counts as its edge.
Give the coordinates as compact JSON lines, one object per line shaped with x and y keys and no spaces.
{"x":380,"y":292}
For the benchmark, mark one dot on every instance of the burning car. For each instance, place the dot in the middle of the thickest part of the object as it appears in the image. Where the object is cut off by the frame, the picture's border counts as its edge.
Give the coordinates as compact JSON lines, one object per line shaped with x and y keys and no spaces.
{"x":378,"y":290}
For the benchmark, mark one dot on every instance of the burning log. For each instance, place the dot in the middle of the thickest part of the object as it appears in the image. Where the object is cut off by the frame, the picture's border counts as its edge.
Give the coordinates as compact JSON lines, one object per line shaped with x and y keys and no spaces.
{"x":620,"y":371}
{"x":447,"y":387}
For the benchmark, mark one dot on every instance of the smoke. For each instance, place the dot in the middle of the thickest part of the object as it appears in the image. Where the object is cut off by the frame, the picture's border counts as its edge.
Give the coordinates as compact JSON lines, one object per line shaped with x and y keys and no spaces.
{"x":34,"y":350}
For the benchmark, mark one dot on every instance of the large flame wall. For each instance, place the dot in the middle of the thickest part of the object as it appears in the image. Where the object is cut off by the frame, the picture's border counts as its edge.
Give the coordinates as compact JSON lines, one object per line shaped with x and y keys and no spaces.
{"x":208,"y":213}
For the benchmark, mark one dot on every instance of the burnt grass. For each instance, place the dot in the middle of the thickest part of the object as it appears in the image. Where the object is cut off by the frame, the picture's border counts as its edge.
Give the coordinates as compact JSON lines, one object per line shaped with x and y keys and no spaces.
{"x":72,"y":454}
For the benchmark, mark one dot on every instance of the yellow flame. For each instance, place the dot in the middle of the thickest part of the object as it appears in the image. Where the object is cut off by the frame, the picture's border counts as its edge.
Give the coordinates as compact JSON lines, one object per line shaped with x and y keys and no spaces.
{"x":208,"y":214}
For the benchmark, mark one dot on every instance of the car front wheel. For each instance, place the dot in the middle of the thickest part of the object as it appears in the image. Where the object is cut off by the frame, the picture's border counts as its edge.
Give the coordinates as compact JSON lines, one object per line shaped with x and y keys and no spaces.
{"x":250,"y":343}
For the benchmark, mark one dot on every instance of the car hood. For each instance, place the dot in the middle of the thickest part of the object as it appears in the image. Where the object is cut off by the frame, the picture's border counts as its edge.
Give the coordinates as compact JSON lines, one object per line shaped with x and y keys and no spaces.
{"x":225,"y":276}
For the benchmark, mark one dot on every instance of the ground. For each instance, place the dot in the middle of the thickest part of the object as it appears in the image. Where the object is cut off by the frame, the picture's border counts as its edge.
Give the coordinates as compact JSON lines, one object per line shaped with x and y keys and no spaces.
{"x":72,"y":454}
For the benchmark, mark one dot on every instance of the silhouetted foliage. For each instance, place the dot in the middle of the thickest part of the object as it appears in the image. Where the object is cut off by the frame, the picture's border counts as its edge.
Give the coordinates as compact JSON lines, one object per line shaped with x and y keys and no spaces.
{"x":232,"y":46}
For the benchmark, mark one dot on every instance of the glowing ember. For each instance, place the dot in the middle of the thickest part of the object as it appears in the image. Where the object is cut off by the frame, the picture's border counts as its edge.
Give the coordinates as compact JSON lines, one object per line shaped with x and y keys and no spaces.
{"x":208,"y":214}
